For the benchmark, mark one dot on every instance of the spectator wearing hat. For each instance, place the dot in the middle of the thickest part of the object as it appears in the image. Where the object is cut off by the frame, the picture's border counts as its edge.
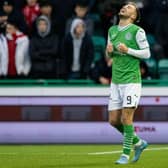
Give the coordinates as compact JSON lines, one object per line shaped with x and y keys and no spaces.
{"x":30,"y":12}
{"x":78,"y":51}
{"x":13,"y":14}
{"x":14,"y":55}
{"x":81,"y":11}
{"x":43,"y":50}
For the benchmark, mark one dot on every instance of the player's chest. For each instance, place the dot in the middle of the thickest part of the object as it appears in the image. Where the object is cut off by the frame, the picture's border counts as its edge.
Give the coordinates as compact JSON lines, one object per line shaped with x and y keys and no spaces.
{"x":122,"y":37}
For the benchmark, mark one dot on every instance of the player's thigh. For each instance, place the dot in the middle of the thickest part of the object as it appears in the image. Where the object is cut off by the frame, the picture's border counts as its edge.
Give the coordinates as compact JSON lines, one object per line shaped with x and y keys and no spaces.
{"x":115,"y":100}
{"x":131,"y":96}
{"x":115,"y":117}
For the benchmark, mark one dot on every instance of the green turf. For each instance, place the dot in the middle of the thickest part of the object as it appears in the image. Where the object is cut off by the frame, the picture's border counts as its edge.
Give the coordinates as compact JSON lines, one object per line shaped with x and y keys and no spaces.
{"x":75,"y":156}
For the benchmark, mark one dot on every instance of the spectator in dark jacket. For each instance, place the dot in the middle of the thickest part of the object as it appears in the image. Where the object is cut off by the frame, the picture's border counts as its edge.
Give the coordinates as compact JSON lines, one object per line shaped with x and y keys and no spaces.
{"x":144,"y":70}
{"x":62,"y":11}
{"x":43,"y":50}
{"x":81,"y":12}
{"x":13,"y":14}
{"x":78,"y":51}
{"x":3,"y":22}
{"x":101,"y":71}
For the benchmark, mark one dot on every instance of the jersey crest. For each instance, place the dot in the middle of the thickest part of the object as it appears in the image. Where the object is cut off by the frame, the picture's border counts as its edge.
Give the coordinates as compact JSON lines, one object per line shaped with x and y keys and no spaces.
{"x":128,"y":36}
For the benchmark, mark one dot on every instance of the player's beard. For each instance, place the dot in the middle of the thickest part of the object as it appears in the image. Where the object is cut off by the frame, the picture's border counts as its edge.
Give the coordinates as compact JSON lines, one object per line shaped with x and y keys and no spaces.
{"x":123,"y":17}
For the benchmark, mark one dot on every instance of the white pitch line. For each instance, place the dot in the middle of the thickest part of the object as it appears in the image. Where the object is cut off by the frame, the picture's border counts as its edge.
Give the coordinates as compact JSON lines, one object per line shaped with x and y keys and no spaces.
{"x":77,"y":154}
{"x":119,"y":151}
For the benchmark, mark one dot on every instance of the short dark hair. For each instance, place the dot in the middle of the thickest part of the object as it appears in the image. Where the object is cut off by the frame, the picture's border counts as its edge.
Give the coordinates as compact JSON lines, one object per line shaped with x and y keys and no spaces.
{"x":8,"y":2}
{"x":13,"y":22}
{"x":138,"y":17}
{"x":82,"y":3}
{"x":45,"y":3}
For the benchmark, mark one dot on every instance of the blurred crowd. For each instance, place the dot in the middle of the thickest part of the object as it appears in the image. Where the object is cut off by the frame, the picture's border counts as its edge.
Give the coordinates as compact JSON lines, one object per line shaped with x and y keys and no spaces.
{"x":59,"y":39}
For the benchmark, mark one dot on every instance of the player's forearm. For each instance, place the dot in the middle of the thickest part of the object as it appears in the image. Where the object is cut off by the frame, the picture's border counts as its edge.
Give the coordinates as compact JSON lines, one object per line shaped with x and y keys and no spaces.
{"x":144,"y":54}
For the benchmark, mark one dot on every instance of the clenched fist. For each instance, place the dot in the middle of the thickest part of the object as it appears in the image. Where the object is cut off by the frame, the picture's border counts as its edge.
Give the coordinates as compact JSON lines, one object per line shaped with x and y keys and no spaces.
{"x":109,"y":48}
{"x":122,"y":48}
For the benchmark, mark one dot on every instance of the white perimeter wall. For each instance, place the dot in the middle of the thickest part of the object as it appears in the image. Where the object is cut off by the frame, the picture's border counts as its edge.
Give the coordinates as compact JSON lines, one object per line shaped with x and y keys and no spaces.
{"x":64,"y":132}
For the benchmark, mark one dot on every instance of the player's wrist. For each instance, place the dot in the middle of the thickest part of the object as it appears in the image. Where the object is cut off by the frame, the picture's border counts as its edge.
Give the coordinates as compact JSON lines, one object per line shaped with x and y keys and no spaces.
{"x":129,"y":51}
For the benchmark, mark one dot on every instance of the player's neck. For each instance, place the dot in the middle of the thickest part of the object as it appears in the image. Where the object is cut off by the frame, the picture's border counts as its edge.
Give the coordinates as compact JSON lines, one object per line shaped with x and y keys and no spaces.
{"x":124,"y":22}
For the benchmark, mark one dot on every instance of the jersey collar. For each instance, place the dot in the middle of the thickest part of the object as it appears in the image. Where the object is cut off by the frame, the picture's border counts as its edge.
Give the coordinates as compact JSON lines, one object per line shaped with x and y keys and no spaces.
{"x":122,"y":28}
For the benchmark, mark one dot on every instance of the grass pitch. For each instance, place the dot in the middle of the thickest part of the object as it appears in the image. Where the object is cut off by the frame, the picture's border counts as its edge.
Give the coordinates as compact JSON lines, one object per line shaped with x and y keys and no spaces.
{"x":77,"y":156}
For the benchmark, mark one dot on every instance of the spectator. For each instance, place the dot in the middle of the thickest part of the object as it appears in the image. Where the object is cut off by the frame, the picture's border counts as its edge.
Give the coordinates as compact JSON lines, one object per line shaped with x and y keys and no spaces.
{"x":3,"y":22}
{"x":81,"y":12}
{"x":14,"y":52}
{"x":144,"y":70}
{"x":3,"y":53}
{"x":78,"y":51}
{"x":12,"y":14}
{"x":43,"y":50}
{"x":157,"y":51}
{"x":46,"y":9}
{"x":62,"y":11}
{"x":162,"y":24}
{"x":101,"y":71}
{"x":108,"y":11}
{"x":19,"y":4}
{"x":30,"y":12}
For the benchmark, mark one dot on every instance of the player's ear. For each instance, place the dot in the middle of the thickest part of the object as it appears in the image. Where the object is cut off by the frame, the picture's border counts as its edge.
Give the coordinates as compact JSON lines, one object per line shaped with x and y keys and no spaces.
{"x":133,"y":17}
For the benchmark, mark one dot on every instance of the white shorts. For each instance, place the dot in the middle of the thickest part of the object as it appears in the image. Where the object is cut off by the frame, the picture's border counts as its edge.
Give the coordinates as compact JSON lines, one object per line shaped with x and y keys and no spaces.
{"x":124,"y":95}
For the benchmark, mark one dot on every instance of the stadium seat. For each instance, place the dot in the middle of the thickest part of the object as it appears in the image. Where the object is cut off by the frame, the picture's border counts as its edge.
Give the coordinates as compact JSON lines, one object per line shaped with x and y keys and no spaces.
{"x":99,"y":47}
{"x":151,"y":39}
{"x":95,"y":17}
{"x":97,"y":56}
{"x":163,"y":68}
{"x":97,"y":24}
{"x":99,"y":43}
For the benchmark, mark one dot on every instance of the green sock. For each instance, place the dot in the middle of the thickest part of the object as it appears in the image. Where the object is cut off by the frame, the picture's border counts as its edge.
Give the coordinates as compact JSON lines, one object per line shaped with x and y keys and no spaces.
{"x":128,"y":139}
{"x":120,"y":128}
{"x":136,"y":139}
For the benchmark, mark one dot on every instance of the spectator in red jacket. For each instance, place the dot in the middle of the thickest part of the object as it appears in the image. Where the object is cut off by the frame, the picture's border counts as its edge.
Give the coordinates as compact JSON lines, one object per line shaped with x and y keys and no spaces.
{"x":30,"y":12}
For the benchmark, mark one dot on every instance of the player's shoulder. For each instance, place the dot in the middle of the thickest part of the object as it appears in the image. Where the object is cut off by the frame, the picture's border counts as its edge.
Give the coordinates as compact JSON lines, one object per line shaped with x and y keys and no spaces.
{"x":112,"y":28}
{"x":138,"y":28}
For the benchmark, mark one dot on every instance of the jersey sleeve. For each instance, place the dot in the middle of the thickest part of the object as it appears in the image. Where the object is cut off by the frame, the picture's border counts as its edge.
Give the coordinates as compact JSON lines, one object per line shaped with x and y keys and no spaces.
{"x":143,"y":44}
{"x":141,"y":39}
{"x":108,"y":42}
{"x":108,"y":39}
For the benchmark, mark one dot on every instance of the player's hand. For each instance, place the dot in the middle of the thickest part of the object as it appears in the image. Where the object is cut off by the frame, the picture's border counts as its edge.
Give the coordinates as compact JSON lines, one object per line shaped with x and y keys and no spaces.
{"x":109,"y":48}
{"x":122,"y":48}
{"x":109,"y":61}
{"x":104,"y":81}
